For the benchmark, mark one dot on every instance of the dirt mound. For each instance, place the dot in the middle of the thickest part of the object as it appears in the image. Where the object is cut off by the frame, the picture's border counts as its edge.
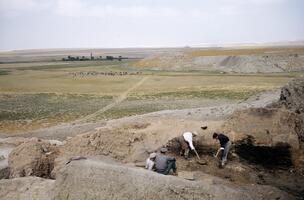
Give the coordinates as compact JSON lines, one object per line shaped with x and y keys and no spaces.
{"x":292,"y":96}
{"x":267,"y":127}
{"x":127,"y":141}
{"x":124,"y":140}
{"x":274,"y":132}
{"x":77,"y":181}
{"x":26,"y":188}
{"x":32,"y":158}
{"x":117,"y":143}
{"x":265,"y":136}
{"x":253,"y":63}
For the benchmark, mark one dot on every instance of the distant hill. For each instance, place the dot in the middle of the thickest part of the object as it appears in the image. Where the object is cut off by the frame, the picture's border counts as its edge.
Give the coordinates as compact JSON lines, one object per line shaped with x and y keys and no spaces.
{"x":237,"y":60}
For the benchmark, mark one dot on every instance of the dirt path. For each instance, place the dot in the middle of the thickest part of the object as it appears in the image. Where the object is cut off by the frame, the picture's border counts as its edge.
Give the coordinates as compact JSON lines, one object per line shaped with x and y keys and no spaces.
{"x":118,"y":100}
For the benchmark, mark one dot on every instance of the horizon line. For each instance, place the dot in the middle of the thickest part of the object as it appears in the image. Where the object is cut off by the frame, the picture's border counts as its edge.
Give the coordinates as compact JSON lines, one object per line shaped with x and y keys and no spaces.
{"x":203,"y":45}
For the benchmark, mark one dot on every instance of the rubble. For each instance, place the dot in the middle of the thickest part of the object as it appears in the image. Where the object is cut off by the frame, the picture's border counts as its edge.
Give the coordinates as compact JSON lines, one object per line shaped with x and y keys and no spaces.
{"x":32,"y":158}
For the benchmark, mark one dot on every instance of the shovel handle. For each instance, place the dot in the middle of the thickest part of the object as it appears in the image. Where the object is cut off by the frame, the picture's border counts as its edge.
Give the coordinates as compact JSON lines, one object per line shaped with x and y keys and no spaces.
{"x":196,"y":154}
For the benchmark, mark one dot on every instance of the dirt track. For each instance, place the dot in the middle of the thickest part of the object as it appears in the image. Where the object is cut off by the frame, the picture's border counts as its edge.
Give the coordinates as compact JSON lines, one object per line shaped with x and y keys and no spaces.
{"x":119,"y":99}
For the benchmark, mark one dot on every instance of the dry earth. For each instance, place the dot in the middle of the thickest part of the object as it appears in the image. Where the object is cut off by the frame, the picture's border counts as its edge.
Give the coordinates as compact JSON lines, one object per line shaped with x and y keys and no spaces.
{"x":114,"y":148}
{"x":261,"y":60}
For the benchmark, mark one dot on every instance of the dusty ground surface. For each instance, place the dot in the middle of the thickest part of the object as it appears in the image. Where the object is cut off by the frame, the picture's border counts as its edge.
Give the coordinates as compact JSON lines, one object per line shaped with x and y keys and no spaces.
{"x":266,"y":161}
{"x":135,"y":183}
{"x":130,"y":140}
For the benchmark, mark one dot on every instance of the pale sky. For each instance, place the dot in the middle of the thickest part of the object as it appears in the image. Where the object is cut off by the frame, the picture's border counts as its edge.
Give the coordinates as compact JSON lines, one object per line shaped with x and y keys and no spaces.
{"x":29,"y":24}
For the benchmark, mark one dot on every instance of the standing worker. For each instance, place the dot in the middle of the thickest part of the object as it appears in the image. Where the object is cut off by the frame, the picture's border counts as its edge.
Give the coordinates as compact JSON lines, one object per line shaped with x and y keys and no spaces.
{"x":224,"y":147}
{"x":186,"y":143}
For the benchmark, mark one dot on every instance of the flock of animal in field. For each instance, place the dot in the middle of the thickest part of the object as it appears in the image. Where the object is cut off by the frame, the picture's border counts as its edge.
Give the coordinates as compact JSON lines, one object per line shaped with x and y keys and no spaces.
{"x":94,"y":73}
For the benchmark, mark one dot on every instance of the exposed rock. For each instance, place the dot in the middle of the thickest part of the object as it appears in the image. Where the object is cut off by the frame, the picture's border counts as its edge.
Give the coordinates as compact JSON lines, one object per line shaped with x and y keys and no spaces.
{"x":280,"y":126}
{"x":4,"y":172}
{"x":89,"y":179}
{"x":26,"y":188}
{"x":268,"y":127}
{"x":32,"y":158}
{"x":292,"y":98}
{"x":4,"y":152}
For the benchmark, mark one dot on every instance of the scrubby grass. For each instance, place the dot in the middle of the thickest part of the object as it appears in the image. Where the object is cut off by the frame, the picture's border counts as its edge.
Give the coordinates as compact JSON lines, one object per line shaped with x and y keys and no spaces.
{"x":4,"y":72}
{"x":55,"y":65}
{"x":208,"y":94}
{"x":39,"y":96}
{"x":46,"y":109}
{"x":132,"y":106}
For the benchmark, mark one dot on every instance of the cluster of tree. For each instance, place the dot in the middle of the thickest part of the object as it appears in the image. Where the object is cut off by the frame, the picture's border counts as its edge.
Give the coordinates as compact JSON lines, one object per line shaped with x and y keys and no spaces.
{"x":84,"y":58}
{"x":94,"y":73}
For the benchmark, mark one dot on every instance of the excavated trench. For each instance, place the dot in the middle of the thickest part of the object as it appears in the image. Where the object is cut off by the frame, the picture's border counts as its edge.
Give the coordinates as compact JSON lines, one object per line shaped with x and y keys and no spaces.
{"x":277,"y":157}
{"x":174,"y":147}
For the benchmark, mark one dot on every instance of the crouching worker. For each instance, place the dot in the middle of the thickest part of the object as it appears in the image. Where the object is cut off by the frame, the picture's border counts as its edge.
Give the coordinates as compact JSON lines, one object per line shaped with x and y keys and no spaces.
{"x":164,"y":164}
{"x":186,"y":143}
{"x":150,"y":162}
{"x":224,"y":147}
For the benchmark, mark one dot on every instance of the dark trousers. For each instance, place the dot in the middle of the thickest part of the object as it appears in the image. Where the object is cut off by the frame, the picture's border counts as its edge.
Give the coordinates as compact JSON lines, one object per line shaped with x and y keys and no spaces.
{"x":184,"y":147}
{"x":170,"y":165}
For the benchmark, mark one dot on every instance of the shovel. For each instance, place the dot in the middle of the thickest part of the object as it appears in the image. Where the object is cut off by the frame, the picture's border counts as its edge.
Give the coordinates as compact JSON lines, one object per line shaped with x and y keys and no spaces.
{"x":199,"y":161}
{"x":196,"y":154}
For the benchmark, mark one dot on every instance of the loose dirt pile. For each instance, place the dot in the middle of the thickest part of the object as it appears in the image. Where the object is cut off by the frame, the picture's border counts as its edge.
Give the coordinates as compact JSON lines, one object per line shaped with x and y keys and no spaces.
{"x":32,"y":158}
{"x":124,"y":140}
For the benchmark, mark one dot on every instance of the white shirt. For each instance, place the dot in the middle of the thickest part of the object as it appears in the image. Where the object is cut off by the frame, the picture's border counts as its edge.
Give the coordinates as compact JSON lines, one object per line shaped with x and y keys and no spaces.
{"x":149,"y":164}
{"x":188,"y":138}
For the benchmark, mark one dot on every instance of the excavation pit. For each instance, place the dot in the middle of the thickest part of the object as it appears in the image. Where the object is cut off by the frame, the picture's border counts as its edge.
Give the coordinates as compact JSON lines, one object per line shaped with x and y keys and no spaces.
{"x":276,"y":157}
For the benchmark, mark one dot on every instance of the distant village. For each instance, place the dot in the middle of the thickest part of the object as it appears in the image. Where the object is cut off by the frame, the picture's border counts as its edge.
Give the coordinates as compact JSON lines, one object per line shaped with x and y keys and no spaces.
{"x":84,"y":58}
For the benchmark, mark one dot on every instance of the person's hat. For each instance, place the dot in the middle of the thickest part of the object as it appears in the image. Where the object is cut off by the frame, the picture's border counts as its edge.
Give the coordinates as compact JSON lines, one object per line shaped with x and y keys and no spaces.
{"x":204,"y":127}
{"x":163,"y":150}
{"x":152,"y":155}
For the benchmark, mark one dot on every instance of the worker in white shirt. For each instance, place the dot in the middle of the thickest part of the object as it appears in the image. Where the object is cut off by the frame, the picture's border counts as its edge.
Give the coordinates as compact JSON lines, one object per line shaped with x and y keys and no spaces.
{"x":150,"y":162}
{"x":186,"y":143}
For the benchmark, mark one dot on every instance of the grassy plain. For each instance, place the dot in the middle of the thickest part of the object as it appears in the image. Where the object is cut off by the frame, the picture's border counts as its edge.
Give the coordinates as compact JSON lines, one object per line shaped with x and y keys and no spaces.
{"x":43,"y":94}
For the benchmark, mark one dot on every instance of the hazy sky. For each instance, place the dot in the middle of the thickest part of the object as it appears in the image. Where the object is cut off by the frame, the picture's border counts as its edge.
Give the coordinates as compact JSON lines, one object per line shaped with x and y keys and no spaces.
{"x":147,"y":23}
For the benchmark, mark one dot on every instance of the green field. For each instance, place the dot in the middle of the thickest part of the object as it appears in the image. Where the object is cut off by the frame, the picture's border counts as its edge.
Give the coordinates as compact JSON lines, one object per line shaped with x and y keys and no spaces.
{"x":36,"y":95}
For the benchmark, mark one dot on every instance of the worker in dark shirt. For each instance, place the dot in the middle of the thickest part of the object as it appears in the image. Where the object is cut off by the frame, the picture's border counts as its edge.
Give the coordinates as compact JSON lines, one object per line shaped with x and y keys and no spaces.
{"x":164,"y":163}
{"x":224,"y":146}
